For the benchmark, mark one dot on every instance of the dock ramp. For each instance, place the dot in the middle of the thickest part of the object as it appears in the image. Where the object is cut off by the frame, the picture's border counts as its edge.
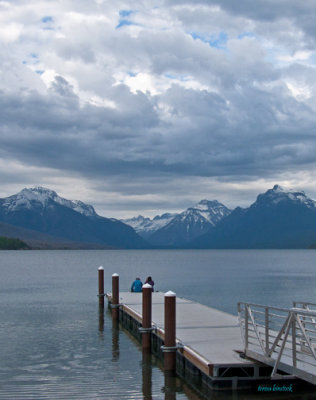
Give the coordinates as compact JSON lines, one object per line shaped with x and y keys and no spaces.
{"x":282,"y":338}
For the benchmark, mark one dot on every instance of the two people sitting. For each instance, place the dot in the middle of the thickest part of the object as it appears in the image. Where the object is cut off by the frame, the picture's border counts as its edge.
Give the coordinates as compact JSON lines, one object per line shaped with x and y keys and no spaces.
{"x":137,"y":284}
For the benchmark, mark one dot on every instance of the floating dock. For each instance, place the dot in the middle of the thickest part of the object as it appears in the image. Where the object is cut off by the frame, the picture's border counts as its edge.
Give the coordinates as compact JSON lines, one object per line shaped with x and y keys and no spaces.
{"x":209,"y":347}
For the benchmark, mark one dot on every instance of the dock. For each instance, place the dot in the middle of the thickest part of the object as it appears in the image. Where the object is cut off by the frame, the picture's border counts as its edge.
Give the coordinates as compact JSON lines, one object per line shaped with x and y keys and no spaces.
{"x":210,"y":350}
{"x":262,"y":348}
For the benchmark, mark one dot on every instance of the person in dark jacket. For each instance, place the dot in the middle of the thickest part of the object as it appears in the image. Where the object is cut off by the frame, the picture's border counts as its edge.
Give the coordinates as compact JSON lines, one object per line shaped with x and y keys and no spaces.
{"x":150,"y":282}
{"x":137,"y":285}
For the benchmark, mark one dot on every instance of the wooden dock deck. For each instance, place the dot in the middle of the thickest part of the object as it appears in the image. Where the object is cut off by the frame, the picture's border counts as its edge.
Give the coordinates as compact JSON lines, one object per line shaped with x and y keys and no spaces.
{"x":209,"y":342}
{"x":212,"y":334}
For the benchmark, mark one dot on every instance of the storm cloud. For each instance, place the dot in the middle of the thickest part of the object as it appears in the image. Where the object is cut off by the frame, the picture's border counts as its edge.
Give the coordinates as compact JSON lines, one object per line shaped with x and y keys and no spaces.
{"x":145,"y":107}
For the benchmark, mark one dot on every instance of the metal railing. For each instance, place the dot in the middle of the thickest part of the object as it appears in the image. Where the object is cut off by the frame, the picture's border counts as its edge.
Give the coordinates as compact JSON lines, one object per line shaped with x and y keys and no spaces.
{"x":282,"y":338}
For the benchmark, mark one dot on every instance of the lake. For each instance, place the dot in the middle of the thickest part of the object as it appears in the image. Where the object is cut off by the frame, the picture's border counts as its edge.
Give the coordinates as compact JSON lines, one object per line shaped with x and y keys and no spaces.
{"x":55,"y":345}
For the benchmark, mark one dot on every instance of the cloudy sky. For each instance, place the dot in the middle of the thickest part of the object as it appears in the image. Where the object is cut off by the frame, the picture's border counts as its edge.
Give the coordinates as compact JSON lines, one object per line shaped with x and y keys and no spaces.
{"x":146,"y":106}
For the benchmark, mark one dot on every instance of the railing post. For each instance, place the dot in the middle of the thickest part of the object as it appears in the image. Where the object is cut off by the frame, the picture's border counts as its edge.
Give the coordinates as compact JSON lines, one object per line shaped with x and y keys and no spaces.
{"x":287,"y":327}
{"x":115,"y":297}
{"x":267,"y":330}
{"x":169,"y":347}
{"x":101,"y":286}
{"x":146,"y":317}
{"x":246,"y":327}
{"x":294,"y":341}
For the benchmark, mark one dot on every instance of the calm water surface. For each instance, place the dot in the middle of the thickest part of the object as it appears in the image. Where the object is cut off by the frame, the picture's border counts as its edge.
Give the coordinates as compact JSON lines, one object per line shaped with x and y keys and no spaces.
{"x":54,"y":343}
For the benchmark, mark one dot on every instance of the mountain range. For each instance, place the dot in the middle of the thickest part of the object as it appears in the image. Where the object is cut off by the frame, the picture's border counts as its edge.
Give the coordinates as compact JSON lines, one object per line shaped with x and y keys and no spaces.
{"x":179,"y":229}
{"x":40,"y":215}
{"x":145,"y":226}
{"x":279,"y":218}
{"x":183,"y":228}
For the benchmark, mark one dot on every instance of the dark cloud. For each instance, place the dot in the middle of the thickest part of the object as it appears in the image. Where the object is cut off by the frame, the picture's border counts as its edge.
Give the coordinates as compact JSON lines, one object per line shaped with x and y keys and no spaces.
{"x":254,"y":133}
{"x":190,"y":95}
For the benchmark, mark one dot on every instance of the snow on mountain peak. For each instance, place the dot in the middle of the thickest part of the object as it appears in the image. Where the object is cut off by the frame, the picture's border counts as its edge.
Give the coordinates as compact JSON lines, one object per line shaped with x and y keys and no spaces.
{"x":203,"y":205}
{"x":40,"y":196}
{"x":206,"y":205}
{"x":26,"y":197}
{"x":83,"y":208}
{"x":279,"y":194}
{"x":211,"y":211}
{"x":145,"y":226}
{"x":278,"y":189}
{"x":204,"y":213}
{"x":38,"y":193}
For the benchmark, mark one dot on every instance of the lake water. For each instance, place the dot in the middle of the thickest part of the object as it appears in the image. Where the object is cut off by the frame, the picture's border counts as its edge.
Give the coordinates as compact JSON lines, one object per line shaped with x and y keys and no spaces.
{"x":54,"y":344}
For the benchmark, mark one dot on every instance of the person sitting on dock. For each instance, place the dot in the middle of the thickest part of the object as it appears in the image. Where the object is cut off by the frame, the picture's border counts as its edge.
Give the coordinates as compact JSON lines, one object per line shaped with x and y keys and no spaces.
{"x":150,"y":282}
{"x":137,"y":285}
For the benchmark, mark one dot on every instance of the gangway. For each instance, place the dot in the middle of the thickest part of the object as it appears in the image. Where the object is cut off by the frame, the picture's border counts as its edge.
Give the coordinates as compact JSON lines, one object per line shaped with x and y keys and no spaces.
{"x":283,"y":338}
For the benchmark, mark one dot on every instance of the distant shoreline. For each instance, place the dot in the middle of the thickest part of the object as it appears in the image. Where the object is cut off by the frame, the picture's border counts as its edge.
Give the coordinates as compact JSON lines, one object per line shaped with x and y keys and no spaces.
{"x":7,"y":243}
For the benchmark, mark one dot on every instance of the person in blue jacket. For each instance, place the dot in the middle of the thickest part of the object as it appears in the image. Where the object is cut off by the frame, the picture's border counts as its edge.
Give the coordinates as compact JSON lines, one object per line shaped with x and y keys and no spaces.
{"x":137,"y":285}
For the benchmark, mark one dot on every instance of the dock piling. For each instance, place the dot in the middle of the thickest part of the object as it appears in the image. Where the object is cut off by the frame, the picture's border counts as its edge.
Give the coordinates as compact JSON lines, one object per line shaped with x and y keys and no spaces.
{"x":115,"y":297}
{"x":169,"y":348}
{"x":101,"y":286}
{"x":146,"y":317}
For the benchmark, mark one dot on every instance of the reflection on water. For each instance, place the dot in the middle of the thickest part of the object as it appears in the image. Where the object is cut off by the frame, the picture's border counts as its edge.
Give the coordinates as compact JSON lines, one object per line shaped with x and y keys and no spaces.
{"x":147,"y":376}
{"x":115,"y":341}
{"x":101,"y":321}
{"x":155,"y":383}
{"x":170,"y":387}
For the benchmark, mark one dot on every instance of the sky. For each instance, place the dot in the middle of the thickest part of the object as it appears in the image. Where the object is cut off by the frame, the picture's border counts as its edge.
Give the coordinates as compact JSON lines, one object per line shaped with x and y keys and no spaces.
{"x":145,"y":107}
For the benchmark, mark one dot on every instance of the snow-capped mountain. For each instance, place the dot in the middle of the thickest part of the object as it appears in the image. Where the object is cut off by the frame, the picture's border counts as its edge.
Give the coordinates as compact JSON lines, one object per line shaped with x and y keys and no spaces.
{"x":145,"y":226}
{"x":279,"y":218}
{"x":40,"y":197}
{"x":40,"y":209}
{"x":278,"y":194}
{"x":189,"y":224}
{"x":211,"y":211}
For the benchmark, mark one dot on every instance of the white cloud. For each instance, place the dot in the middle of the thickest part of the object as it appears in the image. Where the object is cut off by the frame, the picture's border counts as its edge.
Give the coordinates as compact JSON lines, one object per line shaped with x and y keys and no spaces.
{"x":10,"y":32}
{"x":300,"y":92}
{"x":297,"y":56}
{"x":160,"y":99}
